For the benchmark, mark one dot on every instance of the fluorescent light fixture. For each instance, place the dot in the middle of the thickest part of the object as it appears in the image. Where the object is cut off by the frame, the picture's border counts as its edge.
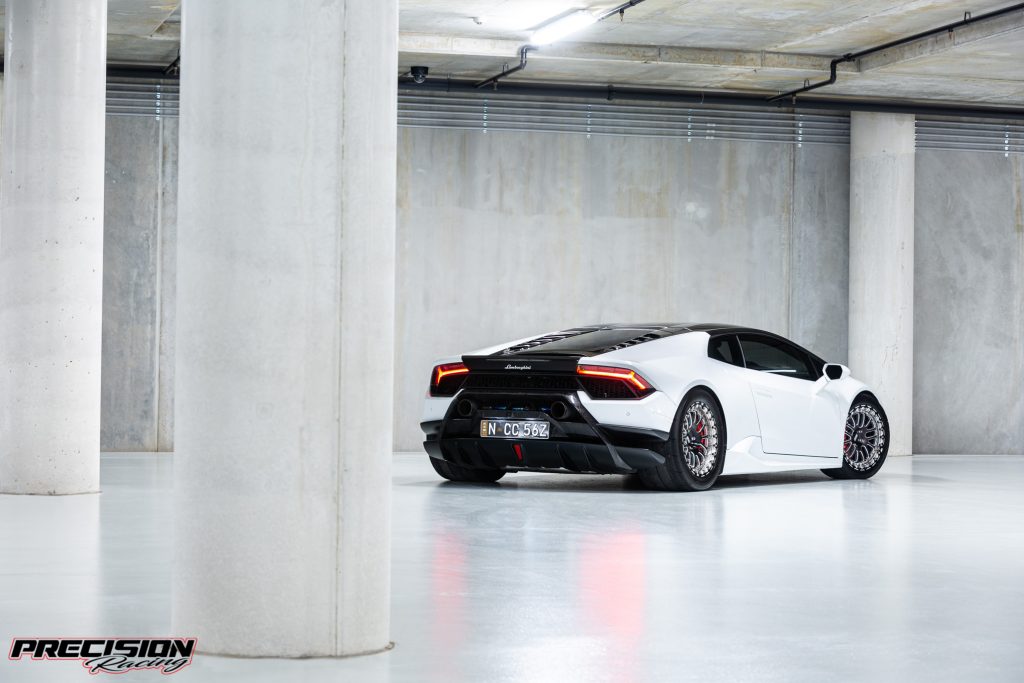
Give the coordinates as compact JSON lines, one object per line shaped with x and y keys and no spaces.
{"x":560,"y":28}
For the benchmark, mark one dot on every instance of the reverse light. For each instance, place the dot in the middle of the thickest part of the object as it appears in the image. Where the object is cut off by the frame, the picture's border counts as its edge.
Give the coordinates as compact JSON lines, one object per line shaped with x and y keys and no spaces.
{"x":560,"y":28}
{"x":447,"y":379}
{"x":602,"y":381}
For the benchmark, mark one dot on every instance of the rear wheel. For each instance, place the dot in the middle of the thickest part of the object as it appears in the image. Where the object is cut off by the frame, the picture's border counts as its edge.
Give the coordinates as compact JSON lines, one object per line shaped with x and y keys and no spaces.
{"x":865,"y":441}
{"x":697,"y":448}
{"x":453,"y":472}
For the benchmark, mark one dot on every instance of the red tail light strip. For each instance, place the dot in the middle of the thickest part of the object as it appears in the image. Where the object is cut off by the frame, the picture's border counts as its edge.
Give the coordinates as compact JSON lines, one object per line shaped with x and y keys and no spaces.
{"x":614,"y":373}
{"x":443,"y":371}
{"x":449,"y":374}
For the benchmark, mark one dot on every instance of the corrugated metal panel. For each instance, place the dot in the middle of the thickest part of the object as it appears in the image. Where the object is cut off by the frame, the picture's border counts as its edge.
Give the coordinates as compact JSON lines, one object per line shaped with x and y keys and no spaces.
{"x":510,"y":113}
{"x":970,"y":135}
{"x":484,"y":113}
{"x":142,"y":97}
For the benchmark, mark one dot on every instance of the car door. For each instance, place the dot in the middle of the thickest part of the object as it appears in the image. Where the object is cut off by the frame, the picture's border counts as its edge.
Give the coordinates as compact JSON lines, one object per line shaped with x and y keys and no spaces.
{"x":795,"y":417}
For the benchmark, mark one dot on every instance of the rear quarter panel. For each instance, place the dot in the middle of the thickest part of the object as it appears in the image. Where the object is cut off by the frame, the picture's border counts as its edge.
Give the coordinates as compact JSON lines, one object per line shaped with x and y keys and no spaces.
{"x":675,"y":365}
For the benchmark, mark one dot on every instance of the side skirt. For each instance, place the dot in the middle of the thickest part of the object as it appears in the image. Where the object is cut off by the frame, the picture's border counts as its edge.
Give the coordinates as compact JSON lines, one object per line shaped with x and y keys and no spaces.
{"x":746,"y":457}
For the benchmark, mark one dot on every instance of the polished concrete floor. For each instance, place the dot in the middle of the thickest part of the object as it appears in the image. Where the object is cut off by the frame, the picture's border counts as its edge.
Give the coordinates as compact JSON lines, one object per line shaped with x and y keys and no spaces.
{"x":915,"y":575}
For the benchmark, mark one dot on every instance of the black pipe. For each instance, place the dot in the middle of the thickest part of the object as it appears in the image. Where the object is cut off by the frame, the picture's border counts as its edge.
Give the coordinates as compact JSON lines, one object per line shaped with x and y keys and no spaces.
{"x":174,"y":68}
{"x":853,"y":56}
{"x":820,"y":84}
{"x":148,"y":72}
{"x":690,"y":98}
{"x":508,"y":72}
{"x":620,"y":10}
{"x":493,"y":80}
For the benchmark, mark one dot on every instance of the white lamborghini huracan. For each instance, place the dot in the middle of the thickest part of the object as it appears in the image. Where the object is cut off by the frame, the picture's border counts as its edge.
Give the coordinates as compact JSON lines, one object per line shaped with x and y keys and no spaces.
{"x":677,"y":404}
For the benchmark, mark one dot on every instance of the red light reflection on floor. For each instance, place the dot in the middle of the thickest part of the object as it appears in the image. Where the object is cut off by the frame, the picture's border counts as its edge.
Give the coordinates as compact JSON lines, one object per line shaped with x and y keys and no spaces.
{"x":448,"y":578}
{"x":448,"y":595}
{"x":612,"y":575}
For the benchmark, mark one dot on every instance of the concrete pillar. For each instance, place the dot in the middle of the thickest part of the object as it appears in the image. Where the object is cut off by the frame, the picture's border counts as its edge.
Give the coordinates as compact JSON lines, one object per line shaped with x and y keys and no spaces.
{"x":51,"y":246}
{"x":285,"y":311}
{"x":882,"y":264}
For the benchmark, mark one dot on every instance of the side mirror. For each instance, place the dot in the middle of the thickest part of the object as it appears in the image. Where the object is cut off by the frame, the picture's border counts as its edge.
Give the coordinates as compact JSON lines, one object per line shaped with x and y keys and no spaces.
{"x":834,"y":371}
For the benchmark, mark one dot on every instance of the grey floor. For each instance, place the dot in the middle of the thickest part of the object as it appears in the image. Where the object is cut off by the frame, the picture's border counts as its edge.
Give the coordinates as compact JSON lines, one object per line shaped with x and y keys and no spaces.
{"x":917,"y":574}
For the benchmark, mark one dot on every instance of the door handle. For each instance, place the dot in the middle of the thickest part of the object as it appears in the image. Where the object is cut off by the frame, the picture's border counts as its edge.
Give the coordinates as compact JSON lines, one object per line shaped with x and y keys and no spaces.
{"x":763,"y":394}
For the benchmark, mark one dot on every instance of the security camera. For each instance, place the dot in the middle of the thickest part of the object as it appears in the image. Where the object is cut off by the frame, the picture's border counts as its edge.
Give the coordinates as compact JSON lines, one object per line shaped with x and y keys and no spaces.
{"x":419,"y":73}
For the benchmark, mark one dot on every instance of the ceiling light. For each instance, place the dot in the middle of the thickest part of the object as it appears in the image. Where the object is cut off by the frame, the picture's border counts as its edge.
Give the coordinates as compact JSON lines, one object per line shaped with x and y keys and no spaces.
{"x":560,"y":28}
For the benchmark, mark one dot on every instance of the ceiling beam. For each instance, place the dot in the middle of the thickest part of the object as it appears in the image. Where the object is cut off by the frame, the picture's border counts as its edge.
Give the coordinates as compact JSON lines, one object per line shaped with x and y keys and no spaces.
{"x":419,"y":43}
{"x":944,"y":42}
{"x":868,"y":21}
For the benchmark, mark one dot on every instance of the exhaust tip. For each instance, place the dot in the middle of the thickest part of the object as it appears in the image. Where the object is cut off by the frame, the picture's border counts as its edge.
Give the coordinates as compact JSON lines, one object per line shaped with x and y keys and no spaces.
{"x":465,"y":408}
{"x":560,"y":410}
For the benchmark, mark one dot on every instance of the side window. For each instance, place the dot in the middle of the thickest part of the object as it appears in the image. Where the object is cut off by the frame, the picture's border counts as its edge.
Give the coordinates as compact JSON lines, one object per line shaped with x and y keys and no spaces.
{"x":768,"y":354}
{"x":725,"y":349}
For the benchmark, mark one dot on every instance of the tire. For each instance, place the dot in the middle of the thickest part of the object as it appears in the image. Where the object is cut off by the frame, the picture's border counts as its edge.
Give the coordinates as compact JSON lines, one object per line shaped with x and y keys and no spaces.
{"x":863,"y":457}
{"x":699,"y":426}
{"x":453,"y":472}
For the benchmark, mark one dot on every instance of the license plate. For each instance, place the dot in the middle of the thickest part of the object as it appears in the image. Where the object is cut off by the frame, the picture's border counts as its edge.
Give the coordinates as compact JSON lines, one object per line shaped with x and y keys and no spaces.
{"x":515,"y":429}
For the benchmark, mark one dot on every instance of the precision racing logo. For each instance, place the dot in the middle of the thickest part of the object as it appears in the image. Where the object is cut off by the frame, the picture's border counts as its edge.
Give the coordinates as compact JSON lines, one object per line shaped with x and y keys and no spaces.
{"x":518,"y":367}
{"x":111,"y":655}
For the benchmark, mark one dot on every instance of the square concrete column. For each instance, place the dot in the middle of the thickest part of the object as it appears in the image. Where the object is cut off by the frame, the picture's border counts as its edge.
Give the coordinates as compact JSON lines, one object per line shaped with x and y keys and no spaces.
{"x":51,"y":246}
{"x":881,"y":341}
{"x":285,"y":313}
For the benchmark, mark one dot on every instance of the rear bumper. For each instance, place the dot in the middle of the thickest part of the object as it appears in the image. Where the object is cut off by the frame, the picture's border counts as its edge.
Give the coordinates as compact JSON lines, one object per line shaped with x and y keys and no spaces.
{"x":543,"y":455}
{"x":576,"y":445}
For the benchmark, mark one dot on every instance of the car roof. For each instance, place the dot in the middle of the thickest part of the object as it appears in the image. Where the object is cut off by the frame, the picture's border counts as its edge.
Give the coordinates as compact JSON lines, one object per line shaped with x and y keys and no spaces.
{"x":672,"y":328}
{"x":591,"y":340}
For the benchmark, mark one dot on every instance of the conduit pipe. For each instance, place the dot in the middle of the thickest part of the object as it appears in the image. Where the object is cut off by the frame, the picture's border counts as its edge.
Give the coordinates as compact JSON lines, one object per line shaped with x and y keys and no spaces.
{"x":493,"y":80}
{"x":508,"y":71}
{"x":854,"y":56}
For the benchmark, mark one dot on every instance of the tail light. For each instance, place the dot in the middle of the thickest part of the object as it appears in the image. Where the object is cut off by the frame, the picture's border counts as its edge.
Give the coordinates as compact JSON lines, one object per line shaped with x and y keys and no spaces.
{"x":601,"y":381}
{"x":447,"y":379}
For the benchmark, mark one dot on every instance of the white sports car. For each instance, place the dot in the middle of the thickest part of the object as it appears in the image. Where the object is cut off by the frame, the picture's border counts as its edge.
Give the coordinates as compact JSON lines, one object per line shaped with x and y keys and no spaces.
{"x":677,"y":404}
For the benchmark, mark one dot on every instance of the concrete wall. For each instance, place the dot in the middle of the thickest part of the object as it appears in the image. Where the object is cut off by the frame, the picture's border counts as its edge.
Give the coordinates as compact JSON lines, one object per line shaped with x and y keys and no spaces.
{"x":138,"y":284}
{"x":579,"y":231}
{"x":969,"y":303}
{"x":508,"y":234}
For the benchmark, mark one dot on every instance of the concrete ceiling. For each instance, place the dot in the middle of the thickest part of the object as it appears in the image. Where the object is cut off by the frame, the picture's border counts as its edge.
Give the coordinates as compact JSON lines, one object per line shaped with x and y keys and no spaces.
{"x":763,"y":46}
{"x":139,"y":32}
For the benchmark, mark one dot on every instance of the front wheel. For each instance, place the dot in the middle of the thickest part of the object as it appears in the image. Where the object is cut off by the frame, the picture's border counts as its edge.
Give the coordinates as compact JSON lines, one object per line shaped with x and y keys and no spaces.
{"x":453,"y":472}
{"x":697,"y":449}
{"x":865,"y":441}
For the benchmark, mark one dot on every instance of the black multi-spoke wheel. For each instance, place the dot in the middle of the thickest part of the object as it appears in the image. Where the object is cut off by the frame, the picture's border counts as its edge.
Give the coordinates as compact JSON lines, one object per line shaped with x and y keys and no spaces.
{"x":865,"y":441}
{"x":697,"y":449}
